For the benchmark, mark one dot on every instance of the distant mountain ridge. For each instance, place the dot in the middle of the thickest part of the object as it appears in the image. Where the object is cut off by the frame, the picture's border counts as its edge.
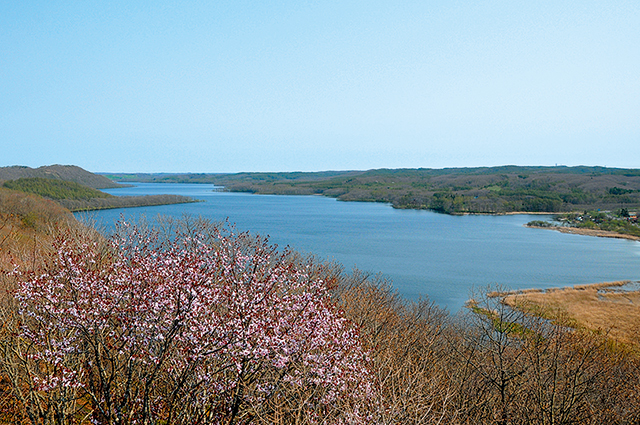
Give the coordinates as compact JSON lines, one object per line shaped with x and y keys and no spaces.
{"x":70,"y":173}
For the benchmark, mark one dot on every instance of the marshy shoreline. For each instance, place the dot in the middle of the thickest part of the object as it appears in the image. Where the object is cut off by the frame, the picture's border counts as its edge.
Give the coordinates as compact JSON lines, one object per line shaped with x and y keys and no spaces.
{"x":587,"y":232}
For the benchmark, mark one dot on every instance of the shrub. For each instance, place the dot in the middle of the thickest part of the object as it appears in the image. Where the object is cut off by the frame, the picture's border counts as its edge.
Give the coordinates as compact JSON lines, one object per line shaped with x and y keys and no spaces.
{"x":199,"y":328}
{"x":539,"y":223}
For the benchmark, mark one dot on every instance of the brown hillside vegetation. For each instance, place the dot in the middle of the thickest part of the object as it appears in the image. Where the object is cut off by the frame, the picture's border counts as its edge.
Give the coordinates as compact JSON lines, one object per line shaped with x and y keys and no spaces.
{"x":489,"y":365}
{"x":28,"y":224}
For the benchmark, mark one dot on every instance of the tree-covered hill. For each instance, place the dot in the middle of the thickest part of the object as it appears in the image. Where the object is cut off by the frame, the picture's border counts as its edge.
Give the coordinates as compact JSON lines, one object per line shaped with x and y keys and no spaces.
{"x":54,"y":189}
{"x":77,"y":197}
{"x":70,"y":173}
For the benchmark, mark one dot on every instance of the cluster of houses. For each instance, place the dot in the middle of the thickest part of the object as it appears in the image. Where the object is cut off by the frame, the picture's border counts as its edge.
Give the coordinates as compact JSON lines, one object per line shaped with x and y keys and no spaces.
{"x":629,"y":216}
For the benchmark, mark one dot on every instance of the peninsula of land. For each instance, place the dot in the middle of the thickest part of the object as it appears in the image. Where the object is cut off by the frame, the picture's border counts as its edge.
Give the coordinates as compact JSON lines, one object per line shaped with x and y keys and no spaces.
{"x":621,"y":224}
{"x":76,"y":189}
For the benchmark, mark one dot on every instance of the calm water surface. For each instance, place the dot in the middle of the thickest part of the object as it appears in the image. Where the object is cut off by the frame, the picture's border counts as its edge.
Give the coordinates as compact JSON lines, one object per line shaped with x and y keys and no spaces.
{"x":424,"y":254}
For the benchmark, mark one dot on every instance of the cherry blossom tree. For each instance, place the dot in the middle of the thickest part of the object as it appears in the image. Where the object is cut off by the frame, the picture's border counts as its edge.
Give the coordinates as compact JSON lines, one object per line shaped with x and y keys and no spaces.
{"x":206,"y":326}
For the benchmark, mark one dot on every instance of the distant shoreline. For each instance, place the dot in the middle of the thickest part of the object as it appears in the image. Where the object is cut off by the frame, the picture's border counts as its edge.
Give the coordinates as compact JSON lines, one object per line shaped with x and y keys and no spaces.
{"x":588,"y":232}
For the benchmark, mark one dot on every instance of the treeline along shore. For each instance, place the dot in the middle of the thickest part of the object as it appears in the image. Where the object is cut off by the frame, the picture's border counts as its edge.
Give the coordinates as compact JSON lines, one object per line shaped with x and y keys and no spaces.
{"x":482,"y":190}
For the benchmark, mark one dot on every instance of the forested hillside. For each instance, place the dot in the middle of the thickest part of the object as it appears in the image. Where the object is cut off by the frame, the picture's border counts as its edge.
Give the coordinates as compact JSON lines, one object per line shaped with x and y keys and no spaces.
{"x":450,"y":190}
{"x":77,"y":197}
{"x":70,"y":173}
{"x":54,"y":189}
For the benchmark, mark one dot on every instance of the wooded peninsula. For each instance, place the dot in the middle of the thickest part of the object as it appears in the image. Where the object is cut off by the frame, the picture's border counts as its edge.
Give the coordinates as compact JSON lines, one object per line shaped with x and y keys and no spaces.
{"x":76,"y":189}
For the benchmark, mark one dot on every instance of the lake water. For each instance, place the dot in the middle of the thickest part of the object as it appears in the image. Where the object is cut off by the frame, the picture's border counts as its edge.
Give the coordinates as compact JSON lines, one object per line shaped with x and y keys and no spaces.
{"x":424,"y":254}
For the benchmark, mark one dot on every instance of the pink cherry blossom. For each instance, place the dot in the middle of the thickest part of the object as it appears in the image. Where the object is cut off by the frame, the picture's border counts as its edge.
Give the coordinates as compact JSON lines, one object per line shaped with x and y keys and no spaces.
{"x":212,"y":325}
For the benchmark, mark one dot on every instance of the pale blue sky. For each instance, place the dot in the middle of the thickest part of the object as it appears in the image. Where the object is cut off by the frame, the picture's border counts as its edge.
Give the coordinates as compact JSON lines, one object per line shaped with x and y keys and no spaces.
{"x":213,"y":86}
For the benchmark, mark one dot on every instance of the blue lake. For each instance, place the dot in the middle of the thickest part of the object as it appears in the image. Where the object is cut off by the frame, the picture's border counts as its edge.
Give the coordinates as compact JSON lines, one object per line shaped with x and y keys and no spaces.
{"x":423,"y":253}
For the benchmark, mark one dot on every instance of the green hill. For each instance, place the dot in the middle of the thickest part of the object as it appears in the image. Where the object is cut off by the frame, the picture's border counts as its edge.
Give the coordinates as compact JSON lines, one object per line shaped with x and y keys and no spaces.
{"x":77,"y":197}
{"x":54,"y":189}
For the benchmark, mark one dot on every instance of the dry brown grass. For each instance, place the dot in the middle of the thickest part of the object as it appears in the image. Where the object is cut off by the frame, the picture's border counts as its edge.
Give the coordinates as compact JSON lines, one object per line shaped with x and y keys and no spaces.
{"x":28,"y":224}
{"x":596,"y":307}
